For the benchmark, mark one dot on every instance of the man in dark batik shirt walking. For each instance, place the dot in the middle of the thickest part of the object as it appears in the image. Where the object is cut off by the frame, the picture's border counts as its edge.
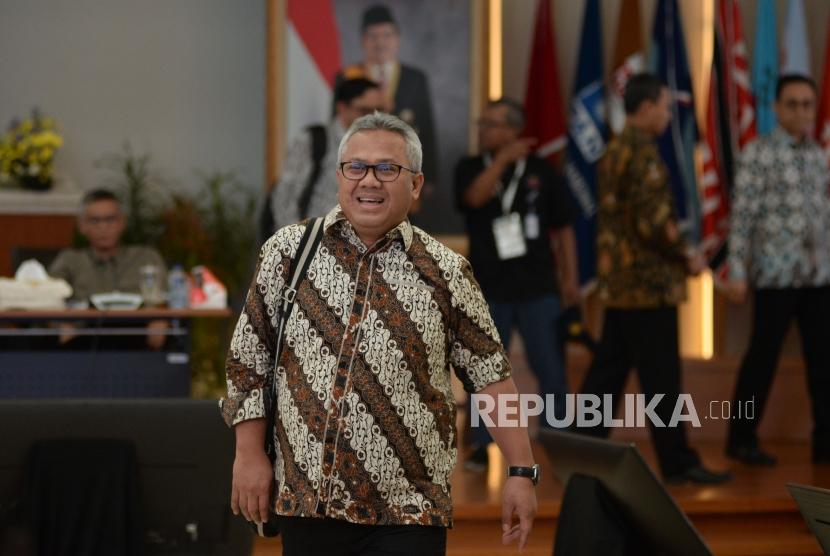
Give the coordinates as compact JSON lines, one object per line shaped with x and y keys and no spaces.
{"x":642,"y":264}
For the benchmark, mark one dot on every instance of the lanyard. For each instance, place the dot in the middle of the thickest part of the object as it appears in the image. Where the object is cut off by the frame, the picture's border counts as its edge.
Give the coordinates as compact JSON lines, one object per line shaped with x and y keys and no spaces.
{"x":507,"y":195}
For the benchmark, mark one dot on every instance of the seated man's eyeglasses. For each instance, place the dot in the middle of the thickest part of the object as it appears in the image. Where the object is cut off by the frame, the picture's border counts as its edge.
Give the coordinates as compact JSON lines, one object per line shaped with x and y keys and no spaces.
{"x":384,"y":171}
{"x":99,"y":220}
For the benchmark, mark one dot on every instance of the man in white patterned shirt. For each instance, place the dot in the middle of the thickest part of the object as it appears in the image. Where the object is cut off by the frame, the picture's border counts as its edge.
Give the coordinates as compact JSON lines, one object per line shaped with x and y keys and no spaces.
{"x":365,"y":414}
{"x":307,"y":187}
{"x":779,"y":245}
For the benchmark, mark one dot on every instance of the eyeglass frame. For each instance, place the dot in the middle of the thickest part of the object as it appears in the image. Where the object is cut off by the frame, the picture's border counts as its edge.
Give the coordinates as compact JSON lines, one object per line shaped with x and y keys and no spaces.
{"x":374,"y":172}
{"x":485,"y":123}
{"x":793,"y":104}
{"x":108,"y":220}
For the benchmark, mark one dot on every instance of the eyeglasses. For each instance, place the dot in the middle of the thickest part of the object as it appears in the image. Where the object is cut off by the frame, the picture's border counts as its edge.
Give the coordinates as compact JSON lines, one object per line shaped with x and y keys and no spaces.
{"x":487,"y":124}
{"x":384,"y":171}
{"x":98,"y":220}
{"x":795,"y":104}
{"x":366,"y":110}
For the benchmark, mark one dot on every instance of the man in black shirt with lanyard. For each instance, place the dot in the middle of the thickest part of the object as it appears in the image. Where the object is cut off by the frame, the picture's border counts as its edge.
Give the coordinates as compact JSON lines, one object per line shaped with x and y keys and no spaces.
{"x":512,"y":201}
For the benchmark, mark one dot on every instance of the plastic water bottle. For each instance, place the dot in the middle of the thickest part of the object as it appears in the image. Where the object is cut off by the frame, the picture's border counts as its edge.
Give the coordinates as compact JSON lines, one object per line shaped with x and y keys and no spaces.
{"x":178,"y":288}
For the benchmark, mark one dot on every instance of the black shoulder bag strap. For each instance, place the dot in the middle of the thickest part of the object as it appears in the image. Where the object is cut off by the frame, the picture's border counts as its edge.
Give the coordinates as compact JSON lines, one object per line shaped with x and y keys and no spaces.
{"x":305,"y":252}
{"x":319,"y":145}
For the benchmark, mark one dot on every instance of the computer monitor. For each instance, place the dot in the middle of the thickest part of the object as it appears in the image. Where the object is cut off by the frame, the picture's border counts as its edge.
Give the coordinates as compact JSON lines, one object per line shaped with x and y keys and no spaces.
{"x":631,"y":482}
{"x":814,"y":504}
{"x":185,"y":456}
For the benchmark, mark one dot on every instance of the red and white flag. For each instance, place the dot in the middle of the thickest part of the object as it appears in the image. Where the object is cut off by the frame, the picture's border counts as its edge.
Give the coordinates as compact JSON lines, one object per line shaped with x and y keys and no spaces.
{"x":736,"y":83}
{"x":313,"y":59}
{"x":629,"y":59}
{"x":714,"y":201}
{"x":543,"y":101}
{"x":823,"y":116}
{"x":730,"y":124}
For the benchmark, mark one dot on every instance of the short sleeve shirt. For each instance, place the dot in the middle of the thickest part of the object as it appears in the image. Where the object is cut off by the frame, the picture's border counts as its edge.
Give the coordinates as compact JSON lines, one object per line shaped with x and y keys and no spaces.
{"x":88,"y":274}
{"x":365,"y":413}
{"x":541,"y":191}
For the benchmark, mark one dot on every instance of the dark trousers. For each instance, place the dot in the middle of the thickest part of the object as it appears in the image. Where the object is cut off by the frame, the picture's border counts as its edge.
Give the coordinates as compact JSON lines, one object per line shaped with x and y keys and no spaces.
{"x":773,"y":311}
{"x":305,"y":536}
{"x":537,"y":321}
{"x":647,"y":340}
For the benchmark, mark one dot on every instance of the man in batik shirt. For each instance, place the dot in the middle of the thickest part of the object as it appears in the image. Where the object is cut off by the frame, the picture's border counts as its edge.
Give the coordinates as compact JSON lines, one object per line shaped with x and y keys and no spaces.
{"x":779,"y":244}
{"x":365,"y":413}
{"x":642,"y":264}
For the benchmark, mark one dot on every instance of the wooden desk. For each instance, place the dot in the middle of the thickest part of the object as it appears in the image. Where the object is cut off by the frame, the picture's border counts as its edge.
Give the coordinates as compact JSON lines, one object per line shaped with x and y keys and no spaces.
{"x":33,"y":365}
{"x":101,"y":319}
{"x":94,"y":314}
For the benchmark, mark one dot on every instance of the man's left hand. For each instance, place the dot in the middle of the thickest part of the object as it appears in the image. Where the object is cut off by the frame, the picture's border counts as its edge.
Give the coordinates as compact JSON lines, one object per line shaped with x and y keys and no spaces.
{"x":571,"y":293}
{"x":519,"y":499}
{"x":695,"y":262}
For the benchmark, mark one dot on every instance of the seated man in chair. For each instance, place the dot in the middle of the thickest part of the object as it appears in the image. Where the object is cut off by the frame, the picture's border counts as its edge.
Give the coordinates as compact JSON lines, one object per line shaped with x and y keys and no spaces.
{"x":107,"y":265}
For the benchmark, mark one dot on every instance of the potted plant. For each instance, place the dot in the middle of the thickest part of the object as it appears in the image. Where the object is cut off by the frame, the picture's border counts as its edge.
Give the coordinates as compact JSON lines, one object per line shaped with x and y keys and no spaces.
{"x":211,"y":225}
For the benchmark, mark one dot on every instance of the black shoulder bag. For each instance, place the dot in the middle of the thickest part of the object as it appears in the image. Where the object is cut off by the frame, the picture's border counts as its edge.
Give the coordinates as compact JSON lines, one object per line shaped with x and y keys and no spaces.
{"x":319,"y":146}
{"x":305,"y":252}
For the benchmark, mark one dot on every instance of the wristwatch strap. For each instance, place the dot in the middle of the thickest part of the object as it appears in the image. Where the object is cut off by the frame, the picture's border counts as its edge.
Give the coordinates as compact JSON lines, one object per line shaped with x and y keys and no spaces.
{"x":531,"y":473}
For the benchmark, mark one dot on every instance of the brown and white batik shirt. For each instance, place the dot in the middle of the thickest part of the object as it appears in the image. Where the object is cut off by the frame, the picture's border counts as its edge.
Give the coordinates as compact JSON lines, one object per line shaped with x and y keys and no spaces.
{"x":365,"y":423}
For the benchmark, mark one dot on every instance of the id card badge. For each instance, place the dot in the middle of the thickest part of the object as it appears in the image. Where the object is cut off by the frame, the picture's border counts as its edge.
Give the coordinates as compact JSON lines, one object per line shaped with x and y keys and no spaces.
{"x":510,"y":241}
{"x":532,"y":225}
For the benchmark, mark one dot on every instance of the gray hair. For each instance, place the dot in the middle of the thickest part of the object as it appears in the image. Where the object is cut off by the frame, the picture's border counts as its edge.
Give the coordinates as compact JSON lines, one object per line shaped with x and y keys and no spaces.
{"x":100,"y":194}
{"x":386,"y":122}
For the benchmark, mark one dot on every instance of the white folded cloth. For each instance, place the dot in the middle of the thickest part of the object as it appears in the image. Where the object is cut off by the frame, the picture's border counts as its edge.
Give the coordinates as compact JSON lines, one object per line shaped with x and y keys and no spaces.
{"x":33,"y":288}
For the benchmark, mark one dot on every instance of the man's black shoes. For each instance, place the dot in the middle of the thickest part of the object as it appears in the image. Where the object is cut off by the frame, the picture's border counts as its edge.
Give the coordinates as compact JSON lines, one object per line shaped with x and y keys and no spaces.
{"x":698,"y":475}
{"x":751,"y":455}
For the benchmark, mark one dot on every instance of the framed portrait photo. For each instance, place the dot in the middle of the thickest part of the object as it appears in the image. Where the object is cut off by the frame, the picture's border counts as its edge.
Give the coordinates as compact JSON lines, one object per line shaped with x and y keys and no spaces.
{"x":429,"y":58}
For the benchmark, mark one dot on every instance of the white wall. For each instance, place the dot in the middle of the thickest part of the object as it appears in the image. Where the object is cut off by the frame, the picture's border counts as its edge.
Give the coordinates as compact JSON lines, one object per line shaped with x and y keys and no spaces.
{"x":180,"y":79}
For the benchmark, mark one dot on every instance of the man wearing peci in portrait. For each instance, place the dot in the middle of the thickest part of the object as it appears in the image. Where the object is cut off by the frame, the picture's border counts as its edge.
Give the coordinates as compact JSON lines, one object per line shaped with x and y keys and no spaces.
{"x":405,"y":88}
